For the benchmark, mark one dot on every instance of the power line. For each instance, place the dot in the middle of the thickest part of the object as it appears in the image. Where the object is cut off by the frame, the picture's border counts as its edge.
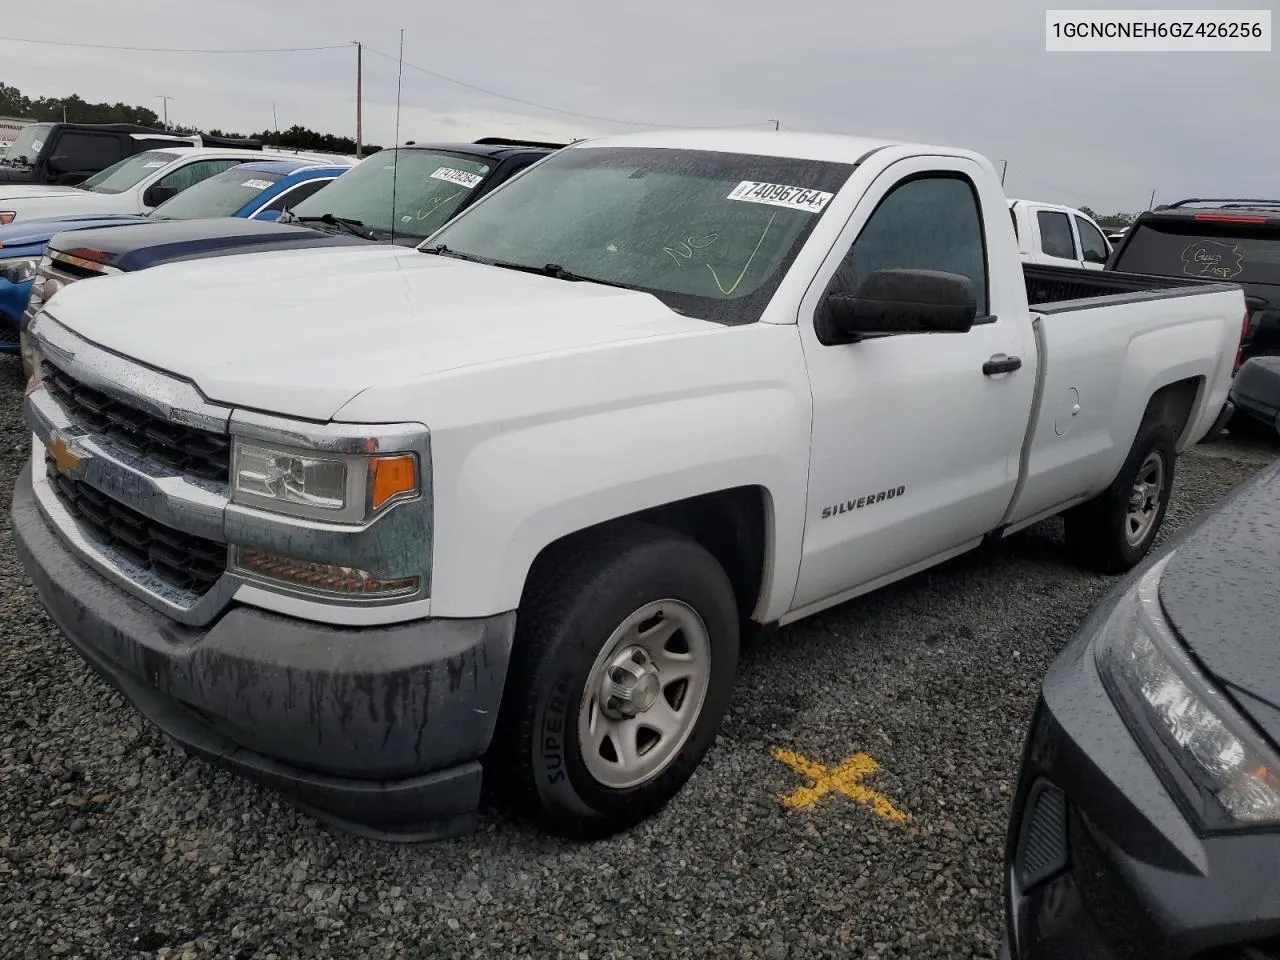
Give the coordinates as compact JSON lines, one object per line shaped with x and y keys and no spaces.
{"x":107,"y":46}
{"x":543,"y":106}
{"x":1069,"y":193}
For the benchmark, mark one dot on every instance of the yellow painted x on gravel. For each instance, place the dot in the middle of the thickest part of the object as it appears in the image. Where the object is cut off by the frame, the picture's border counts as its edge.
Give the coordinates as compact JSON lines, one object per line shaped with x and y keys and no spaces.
{"x":844,"y":779}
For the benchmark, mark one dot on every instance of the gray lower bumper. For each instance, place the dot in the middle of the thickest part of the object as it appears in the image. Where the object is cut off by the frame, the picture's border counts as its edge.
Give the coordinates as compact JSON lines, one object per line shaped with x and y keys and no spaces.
{"x":379,"y":730}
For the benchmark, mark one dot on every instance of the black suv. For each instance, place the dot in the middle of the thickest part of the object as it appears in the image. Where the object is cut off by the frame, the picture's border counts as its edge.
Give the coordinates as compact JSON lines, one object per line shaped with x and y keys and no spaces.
{"x":69,"y":153}
{"x":1235,"y":240}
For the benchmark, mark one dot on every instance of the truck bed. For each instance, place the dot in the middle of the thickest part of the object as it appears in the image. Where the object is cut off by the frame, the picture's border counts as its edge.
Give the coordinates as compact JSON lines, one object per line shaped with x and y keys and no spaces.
{"x":1059,"y":289}
{"x":1104,"y":340}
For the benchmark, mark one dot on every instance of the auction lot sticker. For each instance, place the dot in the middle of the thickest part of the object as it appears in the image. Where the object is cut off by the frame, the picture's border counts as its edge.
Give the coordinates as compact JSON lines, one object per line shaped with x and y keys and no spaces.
{"x":780,"y":195}
{"x":460,"y":177}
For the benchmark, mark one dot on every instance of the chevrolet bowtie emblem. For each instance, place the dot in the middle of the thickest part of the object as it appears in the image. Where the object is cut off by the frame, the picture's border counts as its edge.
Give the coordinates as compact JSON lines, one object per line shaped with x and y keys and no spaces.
{"x":64,"y":456}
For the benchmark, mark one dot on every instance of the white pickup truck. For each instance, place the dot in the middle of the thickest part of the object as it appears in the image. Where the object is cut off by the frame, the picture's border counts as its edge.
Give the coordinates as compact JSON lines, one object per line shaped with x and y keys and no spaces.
{"x":364,"y":522}
{"x":137,"y":184}
{"x":1053,"y":235}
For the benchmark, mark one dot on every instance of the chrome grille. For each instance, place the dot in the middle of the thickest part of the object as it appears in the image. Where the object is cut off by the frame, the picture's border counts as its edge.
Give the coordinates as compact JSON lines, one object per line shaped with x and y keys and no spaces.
{"x":188,"y":450}
{"x":180,"y":559}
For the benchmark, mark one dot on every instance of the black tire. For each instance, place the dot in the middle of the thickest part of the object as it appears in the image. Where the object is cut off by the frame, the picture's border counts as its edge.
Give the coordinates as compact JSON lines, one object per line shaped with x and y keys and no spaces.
{"x":1097,"y":530}
{"x":576,"y":597}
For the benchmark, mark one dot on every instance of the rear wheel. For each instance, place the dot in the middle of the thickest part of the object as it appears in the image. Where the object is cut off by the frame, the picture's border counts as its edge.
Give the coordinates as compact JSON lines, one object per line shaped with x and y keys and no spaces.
{"x":1115,"y":530}
{"x":624,"y":662}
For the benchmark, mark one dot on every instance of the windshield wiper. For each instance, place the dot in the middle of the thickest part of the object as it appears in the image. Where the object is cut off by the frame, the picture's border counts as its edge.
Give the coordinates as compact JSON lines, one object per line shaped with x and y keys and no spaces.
{"x":440,"y":250}
{"x":549,"y":270}
{"x":560,"y":273}
{"x":354,"y":227}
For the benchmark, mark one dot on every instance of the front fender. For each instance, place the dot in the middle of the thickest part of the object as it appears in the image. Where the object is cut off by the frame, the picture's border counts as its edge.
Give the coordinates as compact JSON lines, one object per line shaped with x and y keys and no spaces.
{"x":525,"y":454}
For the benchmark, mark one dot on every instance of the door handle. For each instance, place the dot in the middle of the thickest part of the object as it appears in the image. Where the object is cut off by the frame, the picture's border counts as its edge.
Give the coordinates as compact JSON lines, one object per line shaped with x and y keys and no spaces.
{"x":1001,"y":364}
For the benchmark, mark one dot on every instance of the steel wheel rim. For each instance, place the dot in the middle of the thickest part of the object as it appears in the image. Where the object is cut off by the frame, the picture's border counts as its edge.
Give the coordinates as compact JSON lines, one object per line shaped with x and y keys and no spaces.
{"x":1145,"y":499}
{"x":644,"y":694}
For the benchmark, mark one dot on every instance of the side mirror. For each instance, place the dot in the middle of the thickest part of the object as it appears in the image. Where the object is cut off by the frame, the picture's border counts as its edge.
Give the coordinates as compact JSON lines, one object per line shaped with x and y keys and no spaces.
{"x":58,"y":164}
{"x":268,"y":215}
{"x":1092,"y":257}
{"x":157,"y":194}
{"x":900,"y":301}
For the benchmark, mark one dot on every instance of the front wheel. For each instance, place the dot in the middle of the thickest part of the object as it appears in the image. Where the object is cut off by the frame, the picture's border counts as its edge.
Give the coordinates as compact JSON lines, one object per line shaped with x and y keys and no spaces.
{"x":1115,"y":530}
{"x":624,"y":662}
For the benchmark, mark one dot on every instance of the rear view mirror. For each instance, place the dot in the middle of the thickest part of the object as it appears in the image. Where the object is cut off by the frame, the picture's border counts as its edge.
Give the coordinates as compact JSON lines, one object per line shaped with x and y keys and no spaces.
{"x":158,"y":194}
{"x":900,"y":301}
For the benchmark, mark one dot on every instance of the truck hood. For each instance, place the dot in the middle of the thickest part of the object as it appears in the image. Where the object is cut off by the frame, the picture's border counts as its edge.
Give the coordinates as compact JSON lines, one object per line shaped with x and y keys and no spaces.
{"x":37,"y":191}
{"x":149,"y":243}
{"x":42,"y":229}
{"x":300,"y":333}
{"x":1220,"y":595}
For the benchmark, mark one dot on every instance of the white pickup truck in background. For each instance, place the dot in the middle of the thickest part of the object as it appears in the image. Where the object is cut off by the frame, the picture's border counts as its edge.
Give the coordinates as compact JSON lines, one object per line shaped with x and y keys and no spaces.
{"x":1052,"y":235}
{"x":364,"y":522}
{"x":137,"y":184}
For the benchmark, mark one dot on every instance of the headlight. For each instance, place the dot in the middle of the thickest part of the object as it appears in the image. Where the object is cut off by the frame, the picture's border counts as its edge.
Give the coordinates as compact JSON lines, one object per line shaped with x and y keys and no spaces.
{"x":342,"y":488}
{"x":1231,"y":776}
{"x":19,"y":269}
{"x":6,"y":216}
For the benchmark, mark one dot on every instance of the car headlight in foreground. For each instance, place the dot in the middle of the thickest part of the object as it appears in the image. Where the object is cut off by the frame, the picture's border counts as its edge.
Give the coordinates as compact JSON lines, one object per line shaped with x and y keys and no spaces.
{"x":19,"y":269}
{"x":1226,"y":772}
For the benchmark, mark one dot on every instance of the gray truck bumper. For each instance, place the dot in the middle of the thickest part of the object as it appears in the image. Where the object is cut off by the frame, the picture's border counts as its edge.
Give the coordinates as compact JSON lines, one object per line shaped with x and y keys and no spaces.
{"x":378,"y":731}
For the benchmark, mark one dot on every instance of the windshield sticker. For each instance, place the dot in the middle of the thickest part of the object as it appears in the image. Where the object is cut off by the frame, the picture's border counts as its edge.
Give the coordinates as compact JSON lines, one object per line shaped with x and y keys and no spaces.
{"x":780,"y":195}
{"x":36,"y":145}
{"x":460,"y":177}
{"x":257,"y":184}
{"x":1212,"y":259}
{"x":152,"y":164}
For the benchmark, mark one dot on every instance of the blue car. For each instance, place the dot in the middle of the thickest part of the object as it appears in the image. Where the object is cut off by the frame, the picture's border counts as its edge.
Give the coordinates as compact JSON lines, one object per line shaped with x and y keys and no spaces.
{"x":260,"y":190}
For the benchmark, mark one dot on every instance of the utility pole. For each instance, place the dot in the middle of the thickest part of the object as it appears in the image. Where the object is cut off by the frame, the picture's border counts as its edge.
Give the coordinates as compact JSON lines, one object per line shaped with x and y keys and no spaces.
{"x":1003,"y":171}
{"x":359,"y":98}
{"x":165,"y":100}
{"x":275,"y":122}
{"x":1152,"y":202}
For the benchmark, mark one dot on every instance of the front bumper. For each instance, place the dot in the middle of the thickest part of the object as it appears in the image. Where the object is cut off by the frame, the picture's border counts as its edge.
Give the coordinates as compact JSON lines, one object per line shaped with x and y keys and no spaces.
{"x":1256,"y":390}
{"x":1102,"y":862}
{"x":378,"y":730}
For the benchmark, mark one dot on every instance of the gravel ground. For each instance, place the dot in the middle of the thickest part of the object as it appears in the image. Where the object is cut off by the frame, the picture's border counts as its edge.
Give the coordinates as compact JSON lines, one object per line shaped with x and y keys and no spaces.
{"x":113,"y":843}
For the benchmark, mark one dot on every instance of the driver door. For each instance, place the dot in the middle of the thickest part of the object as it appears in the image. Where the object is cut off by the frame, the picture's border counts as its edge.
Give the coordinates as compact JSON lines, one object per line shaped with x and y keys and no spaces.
{"x":914,"y":451}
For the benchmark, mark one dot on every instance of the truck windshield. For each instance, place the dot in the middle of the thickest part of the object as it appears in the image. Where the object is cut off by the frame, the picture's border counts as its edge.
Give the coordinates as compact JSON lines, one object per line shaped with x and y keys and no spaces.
{"x":27,"y":145}
{"x":119,"y":177}
{"x":1240,"y":253}
{"x":429,"y":189}
{"x":222,"y":195}
{"x":710,"y":234}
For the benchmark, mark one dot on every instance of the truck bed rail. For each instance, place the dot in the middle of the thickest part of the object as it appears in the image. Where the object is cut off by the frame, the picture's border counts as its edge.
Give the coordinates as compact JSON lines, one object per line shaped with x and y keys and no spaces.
{"x":1058,"y":289}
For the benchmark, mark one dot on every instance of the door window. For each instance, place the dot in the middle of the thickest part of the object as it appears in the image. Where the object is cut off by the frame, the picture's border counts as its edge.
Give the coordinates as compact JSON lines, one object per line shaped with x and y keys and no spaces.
{"x":1055,"y":235}
{"x":193,"y":173}
{"x":295,"y":196}
{"x":86,"y":152}
{"x":927,"y":223}
{"x":1093,"y":245}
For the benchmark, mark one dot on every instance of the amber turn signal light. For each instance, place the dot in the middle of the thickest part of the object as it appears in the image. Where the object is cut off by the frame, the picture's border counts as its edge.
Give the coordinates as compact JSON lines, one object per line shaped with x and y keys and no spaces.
{"x":391,"y":478}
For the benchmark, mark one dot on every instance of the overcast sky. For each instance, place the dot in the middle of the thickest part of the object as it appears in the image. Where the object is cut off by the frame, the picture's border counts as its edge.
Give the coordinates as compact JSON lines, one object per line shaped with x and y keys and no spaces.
{"x":1097,"y":129}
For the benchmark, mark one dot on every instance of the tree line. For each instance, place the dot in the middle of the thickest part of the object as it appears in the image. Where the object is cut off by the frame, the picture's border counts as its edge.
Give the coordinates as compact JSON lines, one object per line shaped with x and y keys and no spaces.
{"x":1114,"y":221}
{"x":74,"y":109}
